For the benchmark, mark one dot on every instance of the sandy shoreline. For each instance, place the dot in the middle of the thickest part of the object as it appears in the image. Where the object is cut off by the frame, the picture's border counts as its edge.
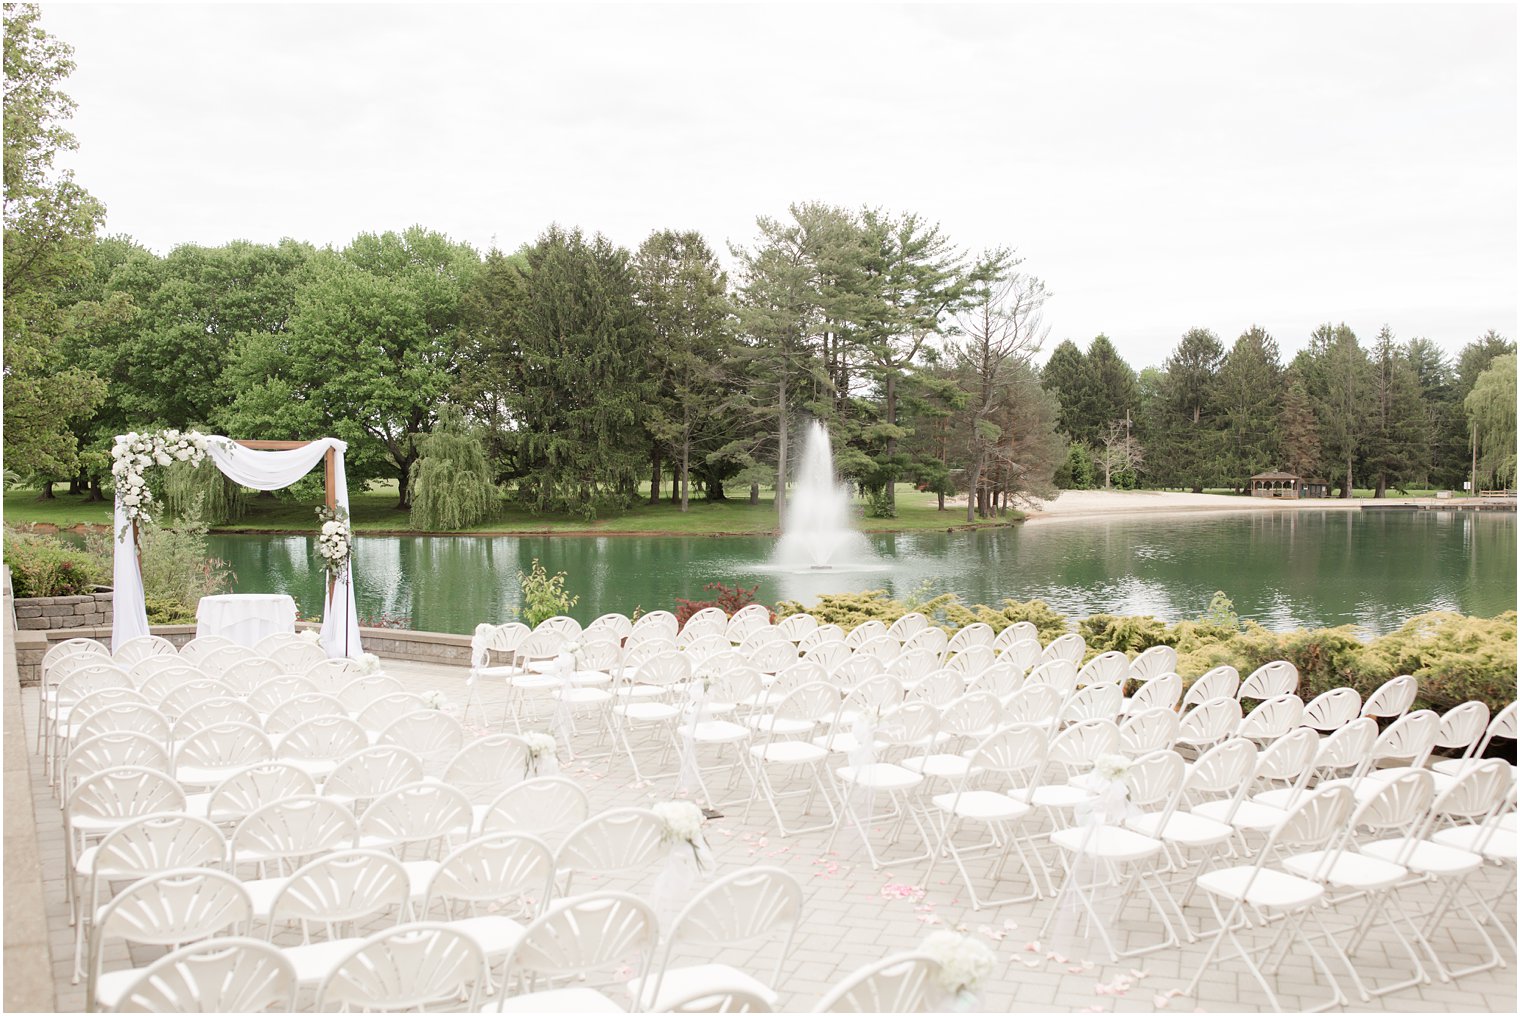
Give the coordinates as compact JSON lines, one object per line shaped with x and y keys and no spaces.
{"x":1085,"y":504}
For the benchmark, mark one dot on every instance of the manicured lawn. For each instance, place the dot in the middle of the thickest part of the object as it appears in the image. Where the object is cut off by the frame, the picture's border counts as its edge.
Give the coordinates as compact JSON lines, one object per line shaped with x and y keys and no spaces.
{"x":375,"y":510}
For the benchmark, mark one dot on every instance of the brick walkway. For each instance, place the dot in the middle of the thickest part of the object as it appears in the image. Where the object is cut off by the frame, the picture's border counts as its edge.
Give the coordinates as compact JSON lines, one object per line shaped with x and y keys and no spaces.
{"x":854,"y":915}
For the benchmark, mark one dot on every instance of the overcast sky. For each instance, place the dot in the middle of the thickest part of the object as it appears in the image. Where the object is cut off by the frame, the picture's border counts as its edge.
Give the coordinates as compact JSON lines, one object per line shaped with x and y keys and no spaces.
{"x":1161,"y":167}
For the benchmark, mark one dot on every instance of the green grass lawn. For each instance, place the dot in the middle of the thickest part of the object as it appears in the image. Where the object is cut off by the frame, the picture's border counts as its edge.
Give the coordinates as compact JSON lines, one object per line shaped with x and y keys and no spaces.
{"x":375,"y":510}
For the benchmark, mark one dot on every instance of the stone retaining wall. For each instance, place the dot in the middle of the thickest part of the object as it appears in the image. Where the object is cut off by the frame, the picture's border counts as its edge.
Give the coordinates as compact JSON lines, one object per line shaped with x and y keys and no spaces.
{"x":46,"y":613}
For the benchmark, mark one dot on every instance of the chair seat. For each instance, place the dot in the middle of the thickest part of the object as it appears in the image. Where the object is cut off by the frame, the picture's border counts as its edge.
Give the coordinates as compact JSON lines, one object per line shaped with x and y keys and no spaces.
{"x":536,"y":682}
{"x":718,"y":732}
{"x":687,"y":982}
{"x":1457,"y":766}
{"x":842,"y":742}
{"x":318,"y":769}
{"x":880,"y":776}
{"x":498,"y":672}
{"x":1427,"y":857}
{"x":1349,"y":870}
{"x":646,"y":712}
{"x":1496,"y":845}
{"x":1111,"y":843}
{"x":315,"y":960}
{"x":590,"y":678}
{"x":941,"y":766}
{"x":583,"y":696}
{"x":262,"y":891}
{"x":788,"y":752}
{"x":1270,"y":889}
{"x":633,"y":691}
{"x":770,"y":723}
{"x":205,"y":776}
{"x":1250,"y":814}
{"x":1058,"y":795}
{"x":495,"y":934}
{"x":984,"y":805}
{"x":558,"y":1000}
{"x":111,"y":986}
{"x":1183,"y":828}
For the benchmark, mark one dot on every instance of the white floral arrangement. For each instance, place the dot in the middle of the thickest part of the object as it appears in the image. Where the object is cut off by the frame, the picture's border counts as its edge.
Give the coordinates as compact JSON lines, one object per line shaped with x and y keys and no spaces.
{"x":335,"y":542}
{"x":369,"y":663}
{"x":541,"y":750}
{"x":1110,"y":767}
{"x":964,"y":962}
{"x":434,"y":699}
{"x":133,"y":453}
{"x":312,"y":635}
{"x":683,"y":824}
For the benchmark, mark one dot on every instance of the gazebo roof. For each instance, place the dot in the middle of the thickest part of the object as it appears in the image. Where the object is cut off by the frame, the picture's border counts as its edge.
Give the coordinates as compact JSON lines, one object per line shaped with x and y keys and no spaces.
{"x":1275,"y":476}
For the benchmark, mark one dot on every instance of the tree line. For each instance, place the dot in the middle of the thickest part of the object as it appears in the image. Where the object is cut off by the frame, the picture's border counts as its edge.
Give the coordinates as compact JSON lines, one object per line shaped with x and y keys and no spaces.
{"x":1384,"y":415}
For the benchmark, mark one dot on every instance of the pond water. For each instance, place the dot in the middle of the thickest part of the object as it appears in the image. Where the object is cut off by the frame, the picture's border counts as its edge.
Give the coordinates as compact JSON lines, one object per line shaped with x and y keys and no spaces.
{"x":1372,"y":569}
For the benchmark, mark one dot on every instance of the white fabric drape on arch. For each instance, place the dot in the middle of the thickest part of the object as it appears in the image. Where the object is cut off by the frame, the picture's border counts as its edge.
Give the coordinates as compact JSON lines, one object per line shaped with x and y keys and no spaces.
{"x":261,"y":470}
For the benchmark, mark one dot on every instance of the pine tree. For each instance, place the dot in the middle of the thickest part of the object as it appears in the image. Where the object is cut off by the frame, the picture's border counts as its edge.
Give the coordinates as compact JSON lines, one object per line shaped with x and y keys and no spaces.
{"x":1337,"y":375}
{"x":1301,"y":453}
{"x":1185,"y":447}
{"x":1396,"y":443}
{"x":1246,"y":391}
{"x":1063,"y":376}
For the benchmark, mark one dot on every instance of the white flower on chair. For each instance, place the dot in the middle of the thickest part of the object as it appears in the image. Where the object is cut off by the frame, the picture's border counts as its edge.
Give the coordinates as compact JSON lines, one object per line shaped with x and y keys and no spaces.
{"x":1110,"y":767}
{"x":541,"y":753}
{"x":683,"y":824}
{"x":964,"y":963}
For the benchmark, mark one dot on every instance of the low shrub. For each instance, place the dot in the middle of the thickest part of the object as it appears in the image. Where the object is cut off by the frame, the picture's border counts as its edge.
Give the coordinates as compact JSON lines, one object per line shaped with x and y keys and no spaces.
{"x":544,"y":595}
{"x":47,"y":566}
{"x":729,"y":599}
{"x":1037,"y":612}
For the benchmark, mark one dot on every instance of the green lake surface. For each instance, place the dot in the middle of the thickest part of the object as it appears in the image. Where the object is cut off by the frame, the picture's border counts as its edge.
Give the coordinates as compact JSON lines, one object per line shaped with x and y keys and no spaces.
{"x":1282,"y":569}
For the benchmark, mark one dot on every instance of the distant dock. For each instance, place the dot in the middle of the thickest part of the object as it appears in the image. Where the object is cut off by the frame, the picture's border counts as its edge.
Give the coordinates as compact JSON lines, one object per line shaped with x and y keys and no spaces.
{"x":1484,"y":504}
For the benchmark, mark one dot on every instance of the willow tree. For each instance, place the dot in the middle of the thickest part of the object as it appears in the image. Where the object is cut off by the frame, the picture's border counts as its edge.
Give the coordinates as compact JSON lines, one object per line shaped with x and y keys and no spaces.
{"x":1491,"y":416}
{"x":452,"y":488}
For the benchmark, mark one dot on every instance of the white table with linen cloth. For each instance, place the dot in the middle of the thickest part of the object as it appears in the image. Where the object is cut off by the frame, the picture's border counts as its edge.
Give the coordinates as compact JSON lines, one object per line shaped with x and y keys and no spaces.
{"x":245,"y":618}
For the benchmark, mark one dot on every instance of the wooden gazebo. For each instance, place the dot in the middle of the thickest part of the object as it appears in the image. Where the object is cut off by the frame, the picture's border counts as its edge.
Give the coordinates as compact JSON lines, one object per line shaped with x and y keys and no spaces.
{"x":1282,"y":485}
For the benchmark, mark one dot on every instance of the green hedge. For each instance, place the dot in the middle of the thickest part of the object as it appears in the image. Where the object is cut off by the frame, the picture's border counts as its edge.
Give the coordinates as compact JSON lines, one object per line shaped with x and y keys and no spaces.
{"x":1454,"y":657}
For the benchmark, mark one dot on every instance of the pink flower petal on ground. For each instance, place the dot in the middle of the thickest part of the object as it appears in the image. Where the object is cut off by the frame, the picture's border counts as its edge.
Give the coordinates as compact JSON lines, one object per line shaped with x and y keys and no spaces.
{"x":1058,"y":958}
{"x":1102,"y":988}
{"x":1032,"y":946}
{"x":764,"y":841}
{"x":1009,"y":924}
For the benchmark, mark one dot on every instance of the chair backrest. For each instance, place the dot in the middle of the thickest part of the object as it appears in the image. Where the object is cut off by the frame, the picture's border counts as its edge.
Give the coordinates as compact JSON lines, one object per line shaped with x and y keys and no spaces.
{"x":705,"y":645}
{"x":1392,"y":699}
{"x":1159,"y":692}
{"x":134,"y":649}
{"x":197,"y":648}
{"x":1223,"y":769}
{"x":121,"y":717}
{"x":1462,"y":725}
{"x":741,"y":627}
{"x":912,"y":664}
{"x":418,"y":813}
{"x":1400,"y":803}
{"x":278,"y":690}
{"x":1154,"y":778}
{"x":73,"y":647}
{"x":614,"y":841}
{"x":364,"y":689}
{"x":111,"y":751}
{"x":1033,"y":703}
{"x":168,"y":908}
{"x":1221,"y":682}
{"x":1095,"y":702}
{"x":821,"y":635}
{"x":1475,"y":793}
{"x":707,"y":621}
{"x":297,"y":657}
{"x":568,"y":626}
{"x":831,"y":655}
{"x":104,"y":699}
{"x":223,"y":744}
{"x":972,"y":660}
{"x":342,"y":887}
{"x":435,"y":736}
{"x":269,"y":643}
{"x":1272,"y":717}
{"x":1288,"y":757}
{"x":245,"y":676}
{"x":864,"y":632}
{"x":1347,"y":747}
{"x":89,"y":678}
{"x":323,"y":738}
{"x":301,"y":708}
{"x":1333,"y":709}
{"x":1270,"y":680}
{"x":617,"y":624}
{"x":902,"y":982}
{"x":387,"y":709}
{"x":972,"y":716}
{"x":931,"y":638}
{"x":1105,"y":668}
{"x":772,"y":656}
{"x":214,"y":661}
{"x":293,"y":827}
{"x":367,"y":774}
{"x":210,"y":712}
{"x":224,"y":974}
{"x":1154,"y":662}
{"x":1318,"y":817}
{"x":409,"y":967}
{"x":1058,"y":674}
{"x":183,"y":696}
{"x":1080,"y":744}
{"x":1014,"y":754}
{"x":248,"y":790}
{"x":1209,"y":722}
{"x":908,"y":625}
{"x":1412,"y":737}
{"x":663,"y":669}
{"x":740,"y":908}
{"x":796,"y":626}
{"x":1025,"y":653}
{"x":150,"y":665}
{"x":1149,"y":730}
{"x":655,"y":624}
{"x":154,"y":843}
{"x":498,"y":868}
{"x":124,"y":792}
{"x":168,"y":677}
{"x":487,"y":764}
{"x":330,"y":676}
{"x":545,"y":806}
{"x":881,"y":646}
{"x":586,"y":933}
{"x":1069,"y":647}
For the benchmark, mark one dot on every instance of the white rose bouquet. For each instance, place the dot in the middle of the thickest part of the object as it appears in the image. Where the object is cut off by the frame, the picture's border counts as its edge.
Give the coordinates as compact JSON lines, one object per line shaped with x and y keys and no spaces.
{"x":1110,"y":767}
{"x":369,"y":663}
{"x":683,"y":824}
{"x":335,"y":541}
{"x":133,"y":453}
{"x":434,"y":699}
{"x":964,"y":962}
{"x":541,"y":757}
{"x":312,"y":635}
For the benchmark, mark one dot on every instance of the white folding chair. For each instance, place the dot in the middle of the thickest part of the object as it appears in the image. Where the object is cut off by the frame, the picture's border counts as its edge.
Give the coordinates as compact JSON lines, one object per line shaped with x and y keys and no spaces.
{"x":108,"y":800}
{"x":796,"y":627}
{"x":134,"y":649}
{"x":317,"y":745}
{"x":502,"y":871}
{"x":1220,"y":682}
{"x":1111,"y":667}
{"x":282,"y":834}
{"x":1269,"y":681}
{"x":303,"y":707}
{"x":1070,"y":647}
{"x":433,"y":736}
{"x":901,"y":982}
{"x":248,"y":790}
{"x":211,"y":754}
{"x":575,"y":938}
{"x":1331,"y":710}
{"x":193,"y":651}
{"x":297,"y":657}
{"x":786,"y":742}
{"x":615,"y":842}
{"x":363,"y":776}
{"x":225,"y":974}
{"x":411,"y":966}
{"x":1392,"y":699}
{"x":246,"y":675}
{"x":545,"y":806}
{"x":337,"y":893}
